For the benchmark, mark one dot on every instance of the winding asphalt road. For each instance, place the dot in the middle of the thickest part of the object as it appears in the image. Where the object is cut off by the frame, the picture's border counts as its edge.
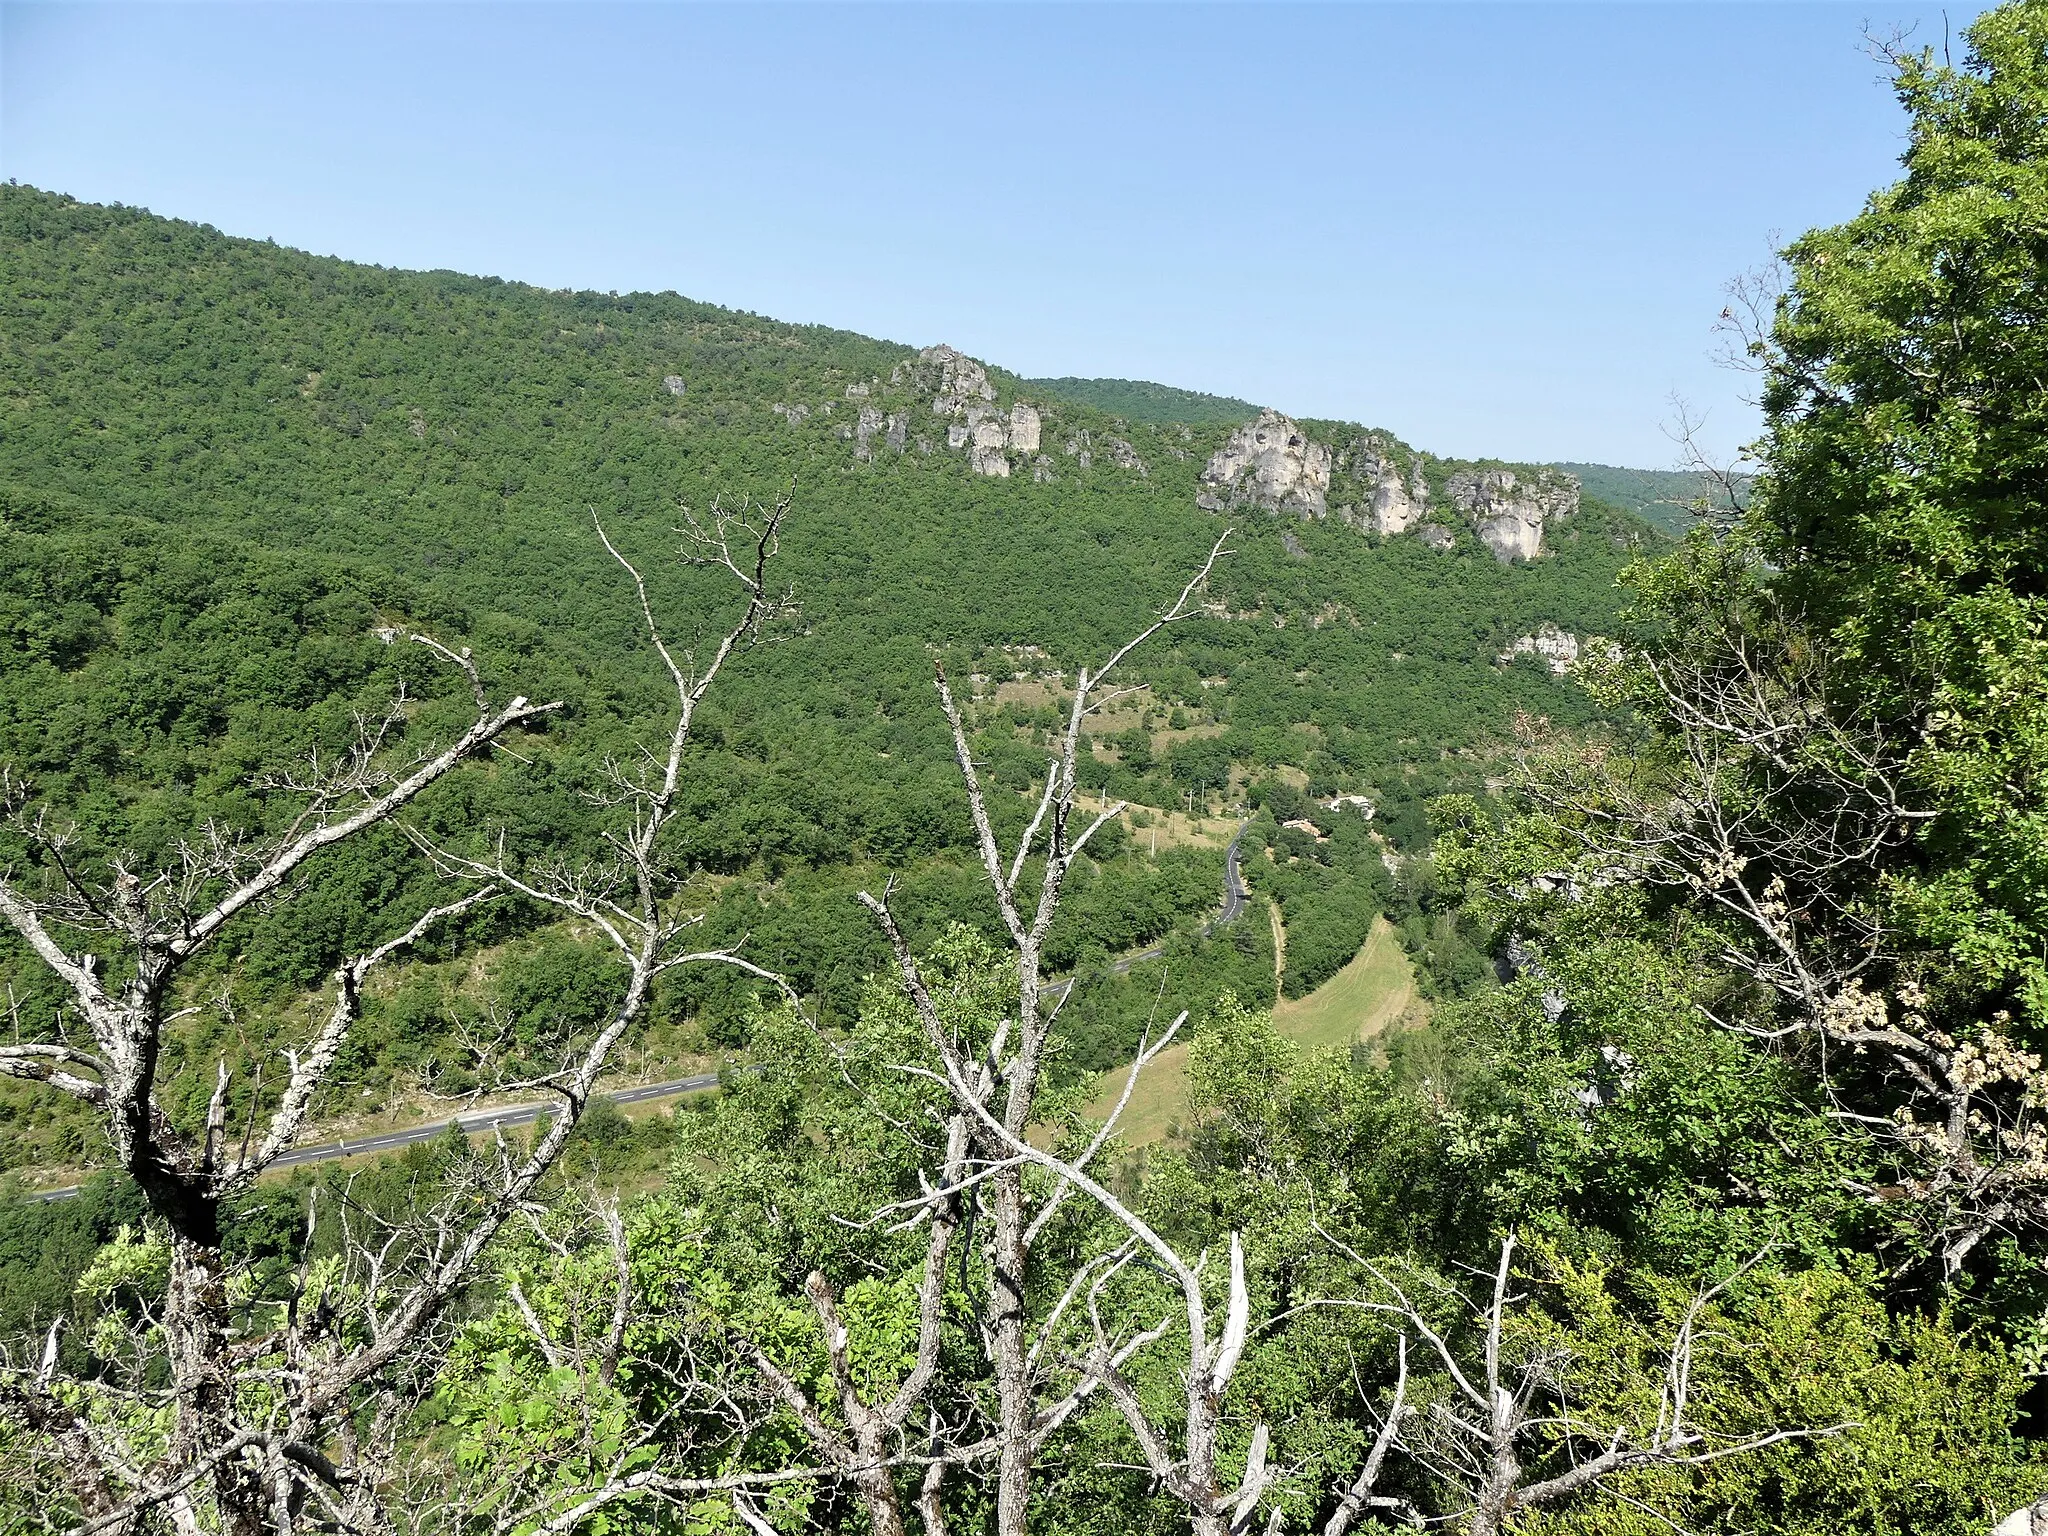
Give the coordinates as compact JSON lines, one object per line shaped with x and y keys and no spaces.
{"x":1235,"y":898}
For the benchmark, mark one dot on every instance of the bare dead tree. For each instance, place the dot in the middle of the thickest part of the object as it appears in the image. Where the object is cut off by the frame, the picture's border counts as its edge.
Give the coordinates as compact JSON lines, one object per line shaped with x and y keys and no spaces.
{"x":1184,"y":1452}
{"x":119,"y":945}
{"x":995,"y":1098}
{"x":1506,"y":1408}
{"x":275,"y":1425}
{"x":1184,"y":1463}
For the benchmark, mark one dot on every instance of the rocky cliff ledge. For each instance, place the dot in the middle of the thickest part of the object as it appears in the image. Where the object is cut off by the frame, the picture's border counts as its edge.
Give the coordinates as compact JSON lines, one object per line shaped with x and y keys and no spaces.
{"x":1388,"y":480}
{"x":1509,"y":511}
{"x":1271,"y":463}
{"x":960,"y":391}
{"x":1380,"y":483}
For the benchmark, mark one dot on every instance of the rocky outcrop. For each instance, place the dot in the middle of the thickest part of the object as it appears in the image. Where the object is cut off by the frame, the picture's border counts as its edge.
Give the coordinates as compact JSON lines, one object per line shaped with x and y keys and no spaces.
{"x":673,"y":383}
{"x":953,"y":378}
{"x":1395,"y":507}
{"x":1124,"y":456}
{"x":864,"y":431}
{"x":1548,"y":644}
{"x":960,"y":389}
{"x":986,"y":456}
{"x":1437,"y":537}
{"x":1024,"y":428}
{"x":1380,"y":482}
{"x":1270,"y":463}
{"x":1509,"y":511}
{"x":1398,"y":495}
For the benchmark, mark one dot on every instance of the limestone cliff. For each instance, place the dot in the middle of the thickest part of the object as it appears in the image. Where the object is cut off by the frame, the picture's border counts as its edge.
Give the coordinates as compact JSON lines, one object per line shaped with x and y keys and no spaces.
{"x":1024,"y":428}
{"x":1384,"y":482}
{"x":953,"y":379}
{"x":1509,"y":511}
{"x":985,"y":455}
{"x":959,"y":388}
{"x":1373,"y":480}
{"x":1554,"y":647}
{"x":1271,"y":463}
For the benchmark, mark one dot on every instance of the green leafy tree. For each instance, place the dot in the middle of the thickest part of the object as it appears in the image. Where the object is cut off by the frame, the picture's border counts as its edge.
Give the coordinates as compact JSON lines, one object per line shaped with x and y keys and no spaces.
{"x":1837,"y":792}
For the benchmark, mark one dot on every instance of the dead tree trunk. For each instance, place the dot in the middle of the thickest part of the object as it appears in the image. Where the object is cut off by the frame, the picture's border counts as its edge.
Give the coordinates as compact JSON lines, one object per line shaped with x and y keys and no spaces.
{"x":260,"y":1473}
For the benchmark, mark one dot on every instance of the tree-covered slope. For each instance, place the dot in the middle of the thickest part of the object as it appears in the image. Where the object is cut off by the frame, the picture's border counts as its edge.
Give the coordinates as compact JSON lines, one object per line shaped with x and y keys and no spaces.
{"x":1664,"y":498}
{"x":225,"y":466}
{"x":1138,"y":400}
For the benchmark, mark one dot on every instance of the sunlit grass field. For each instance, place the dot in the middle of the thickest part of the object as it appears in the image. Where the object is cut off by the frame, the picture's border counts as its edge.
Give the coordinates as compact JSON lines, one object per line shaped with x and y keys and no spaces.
{"x":1359,"y":1003}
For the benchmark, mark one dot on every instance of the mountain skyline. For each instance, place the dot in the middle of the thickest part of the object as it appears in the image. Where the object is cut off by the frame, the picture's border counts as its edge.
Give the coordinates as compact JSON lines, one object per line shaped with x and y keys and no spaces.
{"x":1492,"y":229}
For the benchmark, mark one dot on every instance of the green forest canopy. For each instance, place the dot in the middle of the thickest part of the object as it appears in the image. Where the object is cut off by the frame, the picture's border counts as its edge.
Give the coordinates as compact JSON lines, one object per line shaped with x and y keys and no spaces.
{"x":226,"y":465}
{"x":1136,"y":400}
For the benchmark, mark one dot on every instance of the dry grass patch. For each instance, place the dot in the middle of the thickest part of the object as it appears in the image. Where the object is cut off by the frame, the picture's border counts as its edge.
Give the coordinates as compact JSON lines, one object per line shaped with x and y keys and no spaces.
{"x":1370,"y":996}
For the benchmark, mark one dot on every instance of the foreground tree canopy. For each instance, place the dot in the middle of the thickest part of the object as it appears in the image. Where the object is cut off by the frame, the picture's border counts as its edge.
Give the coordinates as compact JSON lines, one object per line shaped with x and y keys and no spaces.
{"x":1713,"y":1196}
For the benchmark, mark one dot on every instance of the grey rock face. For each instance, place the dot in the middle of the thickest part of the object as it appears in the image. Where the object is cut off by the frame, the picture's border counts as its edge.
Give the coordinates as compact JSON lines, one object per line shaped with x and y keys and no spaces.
{"x":793,"y":414}
{"x":1124,"y":456}
{"x":674,"y":384}
{"x":1383,"y":483}
{"x":1024,"y":428}
{"x":1553,"y":646}
{"x":953,"y":377}
{"x":1271,"y":463}
{"x":1041,"y":471}
{"x":961,"y":390}
{"x":1398,"y":501}
{"x":1437,"y":537}
{"x":986,"y":457}
{"x":2024,"y":1522}
{"x":1394,"y":510}
{"x":1508,"y":512}
{"x":864,"y":431}
{"x":899,"y":431}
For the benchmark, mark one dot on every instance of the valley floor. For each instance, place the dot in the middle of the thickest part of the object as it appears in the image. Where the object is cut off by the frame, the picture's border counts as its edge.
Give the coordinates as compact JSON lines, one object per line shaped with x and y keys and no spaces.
{"x":1372,"y":995}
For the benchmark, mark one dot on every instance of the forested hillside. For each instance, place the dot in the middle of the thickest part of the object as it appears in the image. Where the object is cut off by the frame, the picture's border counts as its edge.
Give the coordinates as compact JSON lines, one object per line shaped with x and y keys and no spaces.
{"x":1138,"y":400}
{"x":1710,"y":1196}
{"x":1666,"y":498}
{"x":226,"y":466}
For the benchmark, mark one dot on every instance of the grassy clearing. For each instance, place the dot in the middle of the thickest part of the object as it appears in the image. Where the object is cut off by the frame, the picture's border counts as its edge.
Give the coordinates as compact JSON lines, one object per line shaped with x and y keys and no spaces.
{"x":1176,"y":829}
{"x":1361,"y":1002}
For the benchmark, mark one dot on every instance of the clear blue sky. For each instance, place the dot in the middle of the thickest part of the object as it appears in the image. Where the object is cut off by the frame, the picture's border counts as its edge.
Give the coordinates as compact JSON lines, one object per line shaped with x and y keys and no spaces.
{"x":1493,"y":229}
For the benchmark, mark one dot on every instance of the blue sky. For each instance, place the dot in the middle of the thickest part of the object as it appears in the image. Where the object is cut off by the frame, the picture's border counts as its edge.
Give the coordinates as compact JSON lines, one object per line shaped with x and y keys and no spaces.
{"x":1493,"y":229}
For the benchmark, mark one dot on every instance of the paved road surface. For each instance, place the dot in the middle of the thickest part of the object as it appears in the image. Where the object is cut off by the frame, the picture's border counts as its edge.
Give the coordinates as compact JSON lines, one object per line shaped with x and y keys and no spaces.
{"x":1234,"y":899}
{"x":477,"y":1120}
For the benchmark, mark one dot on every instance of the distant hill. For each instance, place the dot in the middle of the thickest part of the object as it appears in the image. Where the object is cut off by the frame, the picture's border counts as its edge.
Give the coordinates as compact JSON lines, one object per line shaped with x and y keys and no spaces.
{"x":1138,"y":400}
{"x":228,"y":470}
{"x":1663,"y":498}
